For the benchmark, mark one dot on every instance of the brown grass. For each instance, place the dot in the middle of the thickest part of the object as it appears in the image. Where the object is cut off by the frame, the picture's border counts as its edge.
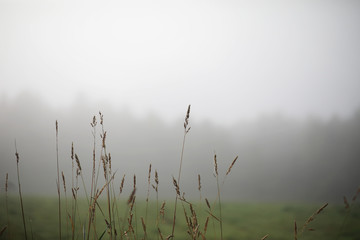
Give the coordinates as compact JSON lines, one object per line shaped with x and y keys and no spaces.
{"x":125,"y":226}
{"x":58,"y":175}
{"x":186,"y":131}
{"x":312,"y":217}
{"x":19,"y":184}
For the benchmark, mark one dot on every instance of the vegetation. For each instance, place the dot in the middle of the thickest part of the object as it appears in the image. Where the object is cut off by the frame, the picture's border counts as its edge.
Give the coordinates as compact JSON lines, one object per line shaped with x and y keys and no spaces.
{"x":103,"y":211}
{"x":240,"y":220}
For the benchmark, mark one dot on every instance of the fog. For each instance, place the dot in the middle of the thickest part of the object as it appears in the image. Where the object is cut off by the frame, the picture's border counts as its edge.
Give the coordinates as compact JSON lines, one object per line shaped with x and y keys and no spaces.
{"x":239,"y":59}
{"x":274,"y":82}
{"x":280,"y":158}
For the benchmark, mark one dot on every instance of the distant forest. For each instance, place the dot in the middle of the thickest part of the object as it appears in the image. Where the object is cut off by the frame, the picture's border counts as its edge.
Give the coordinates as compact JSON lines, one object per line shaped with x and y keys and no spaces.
{"x":280,"y":158}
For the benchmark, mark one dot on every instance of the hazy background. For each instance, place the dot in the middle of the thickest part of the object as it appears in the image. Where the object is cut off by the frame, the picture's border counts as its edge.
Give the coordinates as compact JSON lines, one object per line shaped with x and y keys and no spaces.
{"x":276,"y":83}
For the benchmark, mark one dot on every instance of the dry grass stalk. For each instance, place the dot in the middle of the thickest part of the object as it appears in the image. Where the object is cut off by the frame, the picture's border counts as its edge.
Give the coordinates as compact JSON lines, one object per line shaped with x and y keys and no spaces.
{"x":6,"y":182}
{"x":312,"y":217}
{"x":199,"y":183}
{"x":207,"y":203}
{"x":122,"y":183}
{"x":78,"y":161}
{"x":161,"y":236}
{"x":206,"y":225}
{"x":93,"y":185}
{"x":295,"y":230}
{"x":169,"y":237}
{"x":177,"y":188}
{"x":19,"y":184}
{"x":156,"y":179}
{"x":132,"y":196}
{"x":147,"y":195}
{"x":7,"y":205}
{"x":215,"y":166}
{"x":106,"y":159}
{"x":213,"y":216}
{"x":66,"y":205}
{"x":265,"y":237}
{"x":144,"y":227}
{"x":93,"y":125}
{"x":157,"y":197}
{"x":58,"y":175}
{"x":232,"y":164}
{"x":162,"y":210}
{"x":218,"y":191}
{"x":186,"y":131}
{"x":109,"y":162}
{"x":130,"y":218}
{"x":194,"y":226}
{"x":64,"y":183}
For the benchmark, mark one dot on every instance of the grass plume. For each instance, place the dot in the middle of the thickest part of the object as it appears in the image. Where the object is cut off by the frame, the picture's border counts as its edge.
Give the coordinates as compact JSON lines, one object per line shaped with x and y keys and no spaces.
{"x":19,"y":184}
{"x":58,"y":175}
{"x":186,"y":130}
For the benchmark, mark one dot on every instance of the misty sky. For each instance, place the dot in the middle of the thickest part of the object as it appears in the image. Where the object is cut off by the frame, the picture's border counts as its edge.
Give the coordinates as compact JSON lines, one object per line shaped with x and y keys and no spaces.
{"x":229,"y":59}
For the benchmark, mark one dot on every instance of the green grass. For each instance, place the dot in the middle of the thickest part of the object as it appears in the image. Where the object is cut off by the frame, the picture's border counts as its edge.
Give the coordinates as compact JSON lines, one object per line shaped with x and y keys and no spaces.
{"x":240,"y":220}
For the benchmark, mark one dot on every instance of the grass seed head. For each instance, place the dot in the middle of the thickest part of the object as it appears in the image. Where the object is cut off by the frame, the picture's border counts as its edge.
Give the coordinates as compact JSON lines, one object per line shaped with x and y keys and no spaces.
{"x":122,"y":183}
{"x":77,"y":161}
{"x":199,"y":182}
{"x":63,"y":178}
{"x":93,"y":124}
{"x":132,"y":196}
{"x":156,"y":178}
{"x":6,"y":182}
{"x":207,"y":203}
{"x":322,"y":208}
{"x":232,"y":164}
{"x":264,"y":237}
{"x":162,"y":209}
{"x":72,"y":151}
{"x":186,"y":122}
{"x":149,"y":176}
{"x":206,"y":224}
{"x":176,"y":186}
{"x":216,"y":166}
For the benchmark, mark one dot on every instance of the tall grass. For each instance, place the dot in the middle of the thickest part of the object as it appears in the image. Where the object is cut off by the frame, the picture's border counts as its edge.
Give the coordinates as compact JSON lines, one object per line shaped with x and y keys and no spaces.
{"x":186,"y":131}
{"x":118,"y":217}
{"x":7,"y":207}
{"x":58,"y":175}
{"x":20,"y":194}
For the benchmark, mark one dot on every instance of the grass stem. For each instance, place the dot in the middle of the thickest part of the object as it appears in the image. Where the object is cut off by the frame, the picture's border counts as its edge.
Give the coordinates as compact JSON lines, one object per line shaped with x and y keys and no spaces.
{"x":21,"y":199}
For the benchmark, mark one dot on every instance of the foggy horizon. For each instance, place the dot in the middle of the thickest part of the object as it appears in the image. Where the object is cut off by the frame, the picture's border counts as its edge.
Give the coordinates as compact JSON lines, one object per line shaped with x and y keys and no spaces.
{"x":93,"y":107}
{"x":317,"y":158}
{"x":276,"y":83}
{"x":230,"y":59}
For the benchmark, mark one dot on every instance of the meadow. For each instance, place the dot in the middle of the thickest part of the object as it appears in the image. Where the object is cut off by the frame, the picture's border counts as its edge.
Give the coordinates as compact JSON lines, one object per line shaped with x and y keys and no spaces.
{"x":240,"y":220}
{"x":97,"y":208}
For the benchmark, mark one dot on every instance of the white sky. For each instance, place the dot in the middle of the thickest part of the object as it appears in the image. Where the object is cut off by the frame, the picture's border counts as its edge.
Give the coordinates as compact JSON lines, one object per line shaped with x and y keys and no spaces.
{"x":229,"y":59}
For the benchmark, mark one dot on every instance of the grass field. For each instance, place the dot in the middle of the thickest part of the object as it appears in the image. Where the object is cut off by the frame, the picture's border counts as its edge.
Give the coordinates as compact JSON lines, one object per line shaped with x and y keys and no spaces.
{"x":105,"y":212}
{"x":240,"y":220}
